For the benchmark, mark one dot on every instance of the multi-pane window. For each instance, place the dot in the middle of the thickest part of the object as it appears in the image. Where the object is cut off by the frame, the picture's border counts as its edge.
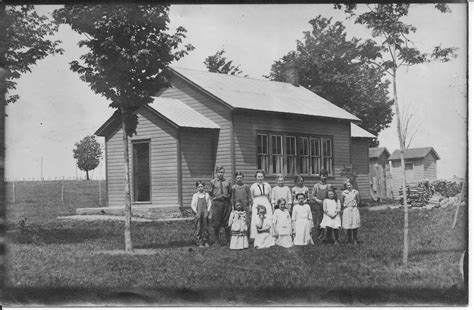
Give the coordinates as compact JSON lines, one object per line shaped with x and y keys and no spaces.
{"x":277,"y":154}
{"x":315,"y":155}
{"x":262,"y":152}
{"x":290,"y":154}
{"x":294,"y":154}
{"x":303,"y":155}
{"x":327,"y":155}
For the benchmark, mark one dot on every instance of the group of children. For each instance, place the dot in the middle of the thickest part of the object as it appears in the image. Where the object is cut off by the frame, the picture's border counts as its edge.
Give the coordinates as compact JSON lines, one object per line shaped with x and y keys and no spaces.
{"x":265,"y":216}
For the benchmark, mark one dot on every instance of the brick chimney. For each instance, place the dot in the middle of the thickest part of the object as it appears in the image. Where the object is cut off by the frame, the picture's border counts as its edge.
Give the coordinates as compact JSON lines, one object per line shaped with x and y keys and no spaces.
{"x":290,"y":73}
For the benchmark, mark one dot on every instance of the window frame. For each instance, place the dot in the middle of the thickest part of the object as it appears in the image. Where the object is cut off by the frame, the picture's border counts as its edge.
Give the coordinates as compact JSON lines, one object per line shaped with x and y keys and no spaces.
{"x":296,"y":136}
{"x":262,"y":154}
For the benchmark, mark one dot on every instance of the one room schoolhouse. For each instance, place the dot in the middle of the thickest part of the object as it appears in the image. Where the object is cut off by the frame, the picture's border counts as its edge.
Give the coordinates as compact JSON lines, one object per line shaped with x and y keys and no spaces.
{"x":208,"y":119}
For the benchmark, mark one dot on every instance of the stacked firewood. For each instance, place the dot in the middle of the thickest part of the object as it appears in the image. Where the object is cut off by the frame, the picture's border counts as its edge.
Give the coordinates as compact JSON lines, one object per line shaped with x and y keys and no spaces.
{"x":439,"y":193}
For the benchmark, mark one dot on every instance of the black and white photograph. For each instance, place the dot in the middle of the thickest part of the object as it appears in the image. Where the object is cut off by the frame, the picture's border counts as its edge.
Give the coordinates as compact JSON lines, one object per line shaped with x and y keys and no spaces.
{"x":235,"y":154}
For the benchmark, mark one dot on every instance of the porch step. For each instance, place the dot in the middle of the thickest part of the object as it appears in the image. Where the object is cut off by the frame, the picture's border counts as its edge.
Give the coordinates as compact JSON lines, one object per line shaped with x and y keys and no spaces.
{"x":150,"y":212}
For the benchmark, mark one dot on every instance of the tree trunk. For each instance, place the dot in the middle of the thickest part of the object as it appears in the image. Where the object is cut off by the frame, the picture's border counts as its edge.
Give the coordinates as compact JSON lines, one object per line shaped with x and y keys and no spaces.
{"x":401,"y":139}
{"x":87,"y":175}
{"x":128,"y":198}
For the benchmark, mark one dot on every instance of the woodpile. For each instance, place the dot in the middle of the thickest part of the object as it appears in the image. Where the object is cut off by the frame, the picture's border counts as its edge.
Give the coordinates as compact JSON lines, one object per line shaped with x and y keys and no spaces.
{"x":438,"y":194}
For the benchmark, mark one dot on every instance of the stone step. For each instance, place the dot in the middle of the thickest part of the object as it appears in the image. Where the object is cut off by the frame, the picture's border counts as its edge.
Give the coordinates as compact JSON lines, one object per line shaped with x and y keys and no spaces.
{"x":151,"y":212}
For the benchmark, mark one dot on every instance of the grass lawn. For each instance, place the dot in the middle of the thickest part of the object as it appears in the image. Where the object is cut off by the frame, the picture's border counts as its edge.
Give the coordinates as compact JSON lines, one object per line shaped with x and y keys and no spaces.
{"x":59,"y":261}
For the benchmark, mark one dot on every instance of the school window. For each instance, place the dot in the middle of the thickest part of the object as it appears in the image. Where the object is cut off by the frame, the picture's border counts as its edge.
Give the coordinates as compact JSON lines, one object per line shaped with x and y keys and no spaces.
{"x":277,"y":154}
{"x":408,"y":166}
{"x":141,"y":171}
{"x":290,"y":155}
{"x":315,"y":150}
{"x":294,"y":154}
{"x":262,"y":152}
{"x":327,"y":155}
{"x":303,"y":155}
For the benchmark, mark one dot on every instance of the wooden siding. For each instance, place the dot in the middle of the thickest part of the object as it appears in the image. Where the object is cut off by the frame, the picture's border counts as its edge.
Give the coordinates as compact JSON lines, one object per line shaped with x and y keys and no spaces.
{"x":360,"y":162}
{"x":360,"y":155}
{"x":248,"y":123}
{"x":430,"y":167}
{"x":418,"y":174}
{"x":215,"y":111}
{"x":198,"y":161}
{"x":363,"y":185}
{"x":163,"y":162}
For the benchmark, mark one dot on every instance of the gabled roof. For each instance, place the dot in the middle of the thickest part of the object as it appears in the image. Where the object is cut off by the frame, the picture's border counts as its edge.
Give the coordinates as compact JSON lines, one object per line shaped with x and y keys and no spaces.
{"x":376,"y":152}
{"x":180,"y":114}
{"x":358,"y":132}
{"x":262,"y":95}
{"x":173,"y":111}
{"x":420,"y":152}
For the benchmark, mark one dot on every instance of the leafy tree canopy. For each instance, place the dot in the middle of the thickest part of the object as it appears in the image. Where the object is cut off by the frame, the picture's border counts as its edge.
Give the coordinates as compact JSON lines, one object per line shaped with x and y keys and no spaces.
{"x":87,"y":154}
{"x":218,"y":63}
{"x":342,"y":71}
{"x":27,"y":41}
{"x":129,"y":47}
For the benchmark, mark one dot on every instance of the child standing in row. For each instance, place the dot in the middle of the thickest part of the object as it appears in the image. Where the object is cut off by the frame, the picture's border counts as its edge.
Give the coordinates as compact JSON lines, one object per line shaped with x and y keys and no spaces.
{"x":282,"y":225}
{"x":302,"y":221}
{"x":281,"y":192}
{"x":331,"y":222}
{"x":350,"y":216}
{"x":241,"y":193}
{"x":238,"y":228}
{"x":299,"y":188}
{"x":201,"y":206}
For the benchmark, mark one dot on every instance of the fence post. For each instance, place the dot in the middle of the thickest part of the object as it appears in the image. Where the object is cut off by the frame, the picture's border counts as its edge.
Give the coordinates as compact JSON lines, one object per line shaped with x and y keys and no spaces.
{"x":100,"y":194}
{"x":14,"y":200}
{"x":62,"y":192}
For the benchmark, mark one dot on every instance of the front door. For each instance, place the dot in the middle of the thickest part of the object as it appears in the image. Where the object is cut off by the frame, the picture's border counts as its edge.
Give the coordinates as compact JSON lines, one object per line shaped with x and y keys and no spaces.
{"x":141,"y":171}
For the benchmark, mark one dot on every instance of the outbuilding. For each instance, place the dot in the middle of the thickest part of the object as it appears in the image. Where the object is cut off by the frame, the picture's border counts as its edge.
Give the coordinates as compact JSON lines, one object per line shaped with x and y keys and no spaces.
{"x":208,"y":119}
{"x":379,"y":173}
{"x":420,"y":164}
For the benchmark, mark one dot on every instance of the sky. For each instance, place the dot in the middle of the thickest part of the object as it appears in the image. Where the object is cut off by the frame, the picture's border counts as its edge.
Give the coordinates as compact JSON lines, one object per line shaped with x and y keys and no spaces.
{"x":56,"y":109}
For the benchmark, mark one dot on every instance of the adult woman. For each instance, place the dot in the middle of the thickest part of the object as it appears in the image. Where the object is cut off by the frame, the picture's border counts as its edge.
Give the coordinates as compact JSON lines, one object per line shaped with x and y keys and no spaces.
{"x":260,"y":192}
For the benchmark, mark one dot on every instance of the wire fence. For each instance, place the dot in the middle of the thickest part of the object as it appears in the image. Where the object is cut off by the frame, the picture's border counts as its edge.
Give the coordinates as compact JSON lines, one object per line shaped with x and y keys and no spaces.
{"x":80,"y":192}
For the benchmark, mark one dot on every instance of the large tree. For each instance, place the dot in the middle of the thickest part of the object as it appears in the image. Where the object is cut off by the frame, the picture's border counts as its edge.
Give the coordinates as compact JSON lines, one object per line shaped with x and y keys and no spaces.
{"x":342,"y":71}
{"x":27,"y":40}
{"x":220,"y":64}
{"x":387,"y":24}
{"x":87,"y":153}
{"x":129,"y":47}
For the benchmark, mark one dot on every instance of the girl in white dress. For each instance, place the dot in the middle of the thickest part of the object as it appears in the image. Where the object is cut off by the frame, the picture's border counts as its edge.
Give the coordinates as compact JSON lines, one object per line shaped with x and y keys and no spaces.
{"x":238,"y":228}
{"x":263,"y":225}
{"x":331,"y":222}
{"x":281,"y":192}
{"x":260,"y":192}
{"x":350,"y":215}
{"x":302,"y":221}
{"x":282,"y":225}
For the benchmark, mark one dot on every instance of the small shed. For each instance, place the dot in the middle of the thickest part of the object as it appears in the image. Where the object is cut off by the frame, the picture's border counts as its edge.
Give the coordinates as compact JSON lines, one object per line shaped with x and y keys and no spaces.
{"x":209,"y":119}
{"x":379,"y":173}
{"x":360,"y":140}
{"x":420,"y":164}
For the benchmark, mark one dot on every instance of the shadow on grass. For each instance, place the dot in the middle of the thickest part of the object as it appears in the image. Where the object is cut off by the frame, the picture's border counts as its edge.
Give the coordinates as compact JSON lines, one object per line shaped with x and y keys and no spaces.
{"x":424,"y":252}
{"x":226,"y":296}
{"x":54,"y":236}
{"x":168,"y":245}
